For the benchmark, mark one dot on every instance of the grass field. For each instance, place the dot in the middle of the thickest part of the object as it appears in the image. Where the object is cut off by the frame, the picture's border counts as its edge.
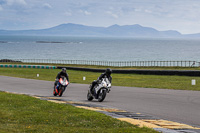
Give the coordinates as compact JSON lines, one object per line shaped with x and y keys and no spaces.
{"x":131,"y":80}
{"x":21,"y":113}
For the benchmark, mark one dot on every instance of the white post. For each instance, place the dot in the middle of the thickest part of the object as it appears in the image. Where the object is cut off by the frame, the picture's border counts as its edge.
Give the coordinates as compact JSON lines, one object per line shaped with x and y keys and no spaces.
{"x":193,"y":82}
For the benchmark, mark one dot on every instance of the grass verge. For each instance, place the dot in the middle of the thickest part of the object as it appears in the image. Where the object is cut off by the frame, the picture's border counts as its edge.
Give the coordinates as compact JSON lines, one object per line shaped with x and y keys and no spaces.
{"x":21,"y":113}
{"x":130,"y":80}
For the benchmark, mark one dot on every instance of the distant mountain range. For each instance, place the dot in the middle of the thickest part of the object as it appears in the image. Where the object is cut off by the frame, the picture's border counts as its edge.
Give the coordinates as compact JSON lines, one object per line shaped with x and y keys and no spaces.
{"x":112,"y":31}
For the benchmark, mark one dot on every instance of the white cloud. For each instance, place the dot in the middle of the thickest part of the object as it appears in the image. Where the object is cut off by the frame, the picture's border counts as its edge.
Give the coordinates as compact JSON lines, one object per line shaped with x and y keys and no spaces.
{"x":85,"y":12}
{"x":1,"y":8}
{"x":112,"y":14}
{"x":147,"y":11}
{"x":47,"y":5}
{"x":18,"y":2}
{"x":68,"y":13}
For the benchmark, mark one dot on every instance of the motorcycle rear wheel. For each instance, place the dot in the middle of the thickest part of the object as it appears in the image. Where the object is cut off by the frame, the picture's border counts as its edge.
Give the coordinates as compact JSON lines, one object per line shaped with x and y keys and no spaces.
{"x":89,"y":97}
{"x":54,"y":93}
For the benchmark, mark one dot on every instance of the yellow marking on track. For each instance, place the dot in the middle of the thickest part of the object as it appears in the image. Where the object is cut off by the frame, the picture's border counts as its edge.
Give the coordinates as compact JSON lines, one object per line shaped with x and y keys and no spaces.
{"x":88,"y":108}
{"x":56,"y":98}
{"x":71,"y":102}
{"x":140,"y":123}
{"x":170,"y":124}
{"x":52,"y":98}
{"x":101,"y":109}
{"x":36,"y":97}
{"x":13,"y":93}
{"x":55,"y":101}
{"x":110,"y":109}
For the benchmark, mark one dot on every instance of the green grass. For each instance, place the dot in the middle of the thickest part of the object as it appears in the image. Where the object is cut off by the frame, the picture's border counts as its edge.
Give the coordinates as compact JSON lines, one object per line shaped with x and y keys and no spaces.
{"x":21,"y":113}
{"x":130,"y":80}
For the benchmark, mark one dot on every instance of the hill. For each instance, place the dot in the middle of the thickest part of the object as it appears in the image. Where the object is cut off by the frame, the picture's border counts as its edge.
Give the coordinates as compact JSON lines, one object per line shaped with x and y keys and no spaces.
{"x":111,"y":31}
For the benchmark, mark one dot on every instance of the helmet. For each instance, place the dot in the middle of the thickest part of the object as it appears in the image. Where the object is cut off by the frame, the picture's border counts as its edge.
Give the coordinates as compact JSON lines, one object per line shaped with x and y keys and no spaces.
{"x":108,"y":71}
{"x":64,"y":70}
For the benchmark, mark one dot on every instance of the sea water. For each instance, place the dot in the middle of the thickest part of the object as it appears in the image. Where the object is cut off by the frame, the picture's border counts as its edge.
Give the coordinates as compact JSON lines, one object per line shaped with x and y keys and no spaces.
{"x":99,"y":48}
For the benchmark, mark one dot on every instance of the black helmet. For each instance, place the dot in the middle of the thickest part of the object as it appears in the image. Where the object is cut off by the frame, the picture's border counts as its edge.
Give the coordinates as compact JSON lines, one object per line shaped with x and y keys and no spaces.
{"x":64,"y":70}
{"x":108,"y":71}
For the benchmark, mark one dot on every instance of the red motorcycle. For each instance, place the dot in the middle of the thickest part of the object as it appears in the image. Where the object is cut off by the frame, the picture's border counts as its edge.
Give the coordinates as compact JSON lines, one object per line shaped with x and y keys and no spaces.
{"x":61,"y":86}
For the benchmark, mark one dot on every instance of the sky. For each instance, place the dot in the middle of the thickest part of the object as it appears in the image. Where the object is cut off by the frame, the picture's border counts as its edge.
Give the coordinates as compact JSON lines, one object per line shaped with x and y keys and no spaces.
{"x":180,"y":15}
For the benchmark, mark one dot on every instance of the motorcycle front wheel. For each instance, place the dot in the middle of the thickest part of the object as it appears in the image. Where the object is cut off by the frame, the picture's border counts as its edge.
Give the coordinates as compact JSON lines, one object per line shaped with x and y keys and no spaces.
{"x":102,"y":96}
{"x":61,"y":91}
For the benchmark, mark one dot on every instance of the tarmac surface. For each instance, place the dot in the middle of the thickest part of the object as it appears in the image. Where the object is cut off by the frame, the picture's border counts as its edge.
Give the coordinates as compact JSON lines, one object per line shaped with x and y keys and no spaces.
{"x":148,"y":104}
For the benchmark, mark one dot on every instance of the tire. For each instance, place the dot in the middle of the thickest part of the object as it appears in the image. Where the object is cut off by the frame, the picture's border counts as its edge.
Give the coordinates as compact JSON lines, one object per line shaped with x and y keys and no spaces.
{"x":61,"y":91}
{"x":89,"y":97}
{"x":54,"y":93}
{"x":102,"y":96}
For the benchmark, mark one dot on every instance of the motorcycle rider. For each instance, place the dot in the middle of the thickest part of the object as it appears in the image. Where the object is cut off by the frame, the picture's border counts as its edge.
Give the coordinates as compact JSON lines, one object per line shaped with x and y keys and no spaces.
{"x":106,"y":74}
{"x":63,"y":73}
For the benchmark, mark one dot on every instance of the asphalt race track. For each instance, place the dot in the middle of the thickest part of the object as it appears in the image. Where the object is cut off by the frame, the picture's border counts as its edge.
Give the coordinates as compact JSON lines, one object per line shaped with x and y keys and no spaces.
{"x":174,"y":105}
